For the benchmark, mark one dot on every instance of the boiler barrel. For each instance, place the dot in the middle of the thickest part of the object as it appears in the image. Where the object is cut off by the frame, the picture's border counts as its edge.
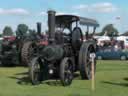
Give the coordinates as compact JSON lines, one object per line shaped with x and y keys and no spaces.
{"x":51,"y":53}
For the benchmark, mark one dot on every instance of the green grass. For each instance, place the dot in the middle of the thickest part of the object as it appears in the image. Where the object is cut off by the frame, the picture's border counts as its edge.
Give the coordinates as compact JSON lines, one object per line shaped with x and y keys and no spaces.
{"x":111,"y":80}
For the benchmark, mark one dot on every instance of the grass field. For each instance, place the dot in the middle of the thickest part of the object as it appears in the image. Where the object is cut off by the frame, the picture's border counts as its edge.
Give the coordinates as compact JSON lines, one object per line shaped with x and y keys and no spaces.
{"x":111,"y":80}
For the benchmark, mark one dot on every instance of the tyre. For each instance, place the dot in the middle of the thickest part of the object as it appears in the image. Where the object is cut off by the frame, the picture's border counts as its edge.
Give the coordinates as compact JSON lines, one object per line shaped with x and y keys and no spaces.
{"x":99,"y":57}
{"x":123,"y":57}
{"x":35,"y":71}
{"x":26,"y":53}
{"x":85,"y":61}
{"x":66,"y":72}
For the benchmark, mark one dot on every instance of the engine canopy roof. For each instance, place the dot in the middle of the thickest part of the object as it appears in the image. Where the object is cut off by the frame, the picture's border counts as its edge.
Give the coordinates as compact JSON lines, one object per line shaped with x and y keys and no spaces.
{"x":67,"y":19}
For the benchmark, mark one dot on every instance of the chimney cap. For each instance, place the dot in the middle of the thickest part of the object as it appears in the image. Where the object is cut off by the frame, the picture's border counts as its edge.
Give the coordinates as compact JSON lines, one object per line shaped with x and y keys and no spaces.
{"x":51,"y":11}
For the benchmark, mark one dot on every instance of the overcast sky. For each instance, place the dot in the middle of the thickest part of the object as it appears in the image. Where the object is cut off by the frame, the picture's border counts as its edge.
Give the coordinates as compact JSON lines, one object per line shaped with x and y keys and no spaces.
{"x":13,"y":12}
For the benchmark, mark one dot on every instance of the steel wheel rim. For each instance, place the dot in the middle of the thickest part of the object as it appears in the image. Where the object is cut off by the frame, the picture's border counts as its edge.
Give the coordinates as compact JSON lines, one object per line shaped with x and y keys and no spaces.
{"x":88,"y":65}
{"x":68,"y":73}
{"x":36,"y":72}
{"x":31,"y":51}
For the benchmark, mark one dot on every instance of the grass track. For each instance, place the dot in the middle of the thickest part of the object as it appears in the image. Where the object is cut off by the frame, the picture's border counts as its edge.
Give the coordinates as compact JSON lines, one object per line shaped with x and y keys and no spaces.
{"x":111,"y":80}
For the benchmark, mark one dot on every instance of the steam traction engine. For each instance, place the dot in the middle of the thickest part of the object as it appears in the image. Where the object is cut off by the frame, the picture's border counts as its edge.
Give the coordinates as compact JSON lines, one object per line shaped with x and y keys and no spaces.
{"x":17,"y":50}
{"x":67,"y":50}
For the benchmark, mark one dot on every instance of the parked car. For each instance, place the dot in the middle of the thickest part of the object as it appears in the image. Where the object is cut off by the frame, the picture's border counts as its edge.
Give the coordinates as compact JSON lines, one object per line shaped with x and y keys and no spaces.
{"x":111,"y":53}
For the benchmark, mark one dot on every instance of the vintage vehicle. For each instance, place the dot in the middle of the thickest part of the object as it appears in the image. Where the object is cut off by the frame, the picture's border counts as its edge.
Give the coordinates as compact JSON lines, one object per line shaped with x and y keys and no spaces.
{"x":29,"y":46}
{"x":66,"y":52}
{"x":16,"y":50}
{"x":111,"y":53}
{"x":8,"y":50}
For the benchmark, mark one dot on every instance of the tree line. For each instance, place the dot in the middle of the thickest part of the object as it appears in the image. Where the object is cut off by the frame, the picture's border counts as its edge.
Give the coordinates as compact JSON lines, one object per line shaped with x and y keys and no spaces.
{"x":108,"y":30}
{"x":22,"y":29}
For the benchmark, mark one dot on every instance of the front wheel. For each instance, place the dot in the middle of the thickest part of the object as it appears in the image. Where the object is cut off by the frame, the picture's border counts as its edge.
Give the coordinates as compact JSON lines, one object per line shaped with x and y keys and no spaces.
{"x":66,"y":71}
{"x":35,"y":71}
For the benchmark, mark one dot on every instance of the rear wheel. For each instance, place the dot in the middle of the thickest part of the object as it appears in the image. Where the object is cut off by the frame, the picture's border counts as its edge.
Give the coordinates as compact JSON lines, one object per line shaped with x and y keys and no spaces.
{"x":35,"y":71}
{"x":26,"y":52}
{"x":66,"y":71}
{"x":85,"y":61}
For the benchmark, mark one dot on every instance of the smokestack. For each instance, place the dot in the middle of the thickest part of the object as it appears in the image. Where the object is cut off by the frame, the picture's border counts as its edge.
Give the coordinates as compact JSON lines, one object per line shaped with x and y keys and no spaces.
{"x":39,"y":28}
{"x":51,"y":25}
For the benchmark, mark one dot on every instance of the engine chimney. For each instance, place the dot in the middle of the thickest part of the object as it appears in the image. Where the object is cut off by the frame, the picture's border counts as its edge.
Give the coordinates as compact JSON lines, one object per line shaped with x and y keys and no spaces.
{"x":51,"y":25}
{"x":39,"y":28}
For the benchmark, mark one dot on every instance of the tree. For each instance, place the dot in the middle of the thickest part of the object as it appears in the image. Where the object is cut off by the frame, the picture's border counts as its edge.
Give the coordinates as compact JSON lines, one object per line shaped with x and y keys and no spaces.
{"x":21,"y":30}
{"x":99,"y":34}
{"x":109,"y":30}
{"x":7,"y":31}
{"x":125,"y":34}
{"x":0,"y":35}
{"x":32,"y":32}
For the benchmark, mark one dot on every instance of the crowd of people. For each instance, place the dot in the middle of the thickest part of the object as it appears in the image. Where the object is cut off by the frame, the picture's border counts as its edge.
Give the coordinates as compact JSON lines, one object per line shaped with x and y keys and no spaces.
{"x":112,"y":43}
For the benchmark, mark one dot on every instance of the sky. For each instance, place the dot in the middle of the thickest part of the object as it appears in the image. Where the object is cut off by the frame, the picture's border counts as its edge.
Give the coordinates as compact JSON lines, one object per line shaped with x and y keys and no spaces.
{"x":14,"y":12}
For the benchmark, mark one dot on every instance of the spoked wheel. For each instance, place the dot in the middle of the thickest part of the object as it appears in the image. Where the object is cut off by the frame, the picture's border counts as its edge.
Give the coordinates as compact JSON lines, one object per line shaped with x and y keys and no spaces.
{"x":35,"y":71}
{"x":66,"y":71}
{"x":27,"y":52}
{"x":85,"y":61}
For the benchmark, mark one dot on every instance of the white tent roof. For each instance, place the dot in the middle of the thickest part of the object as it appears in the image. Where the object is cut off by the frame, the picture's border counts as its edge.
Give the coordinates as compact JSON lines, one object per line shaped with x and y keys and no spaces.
{"x":104,"y":38}
{"x":122,"y":37}
{"x":1,"y":38}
